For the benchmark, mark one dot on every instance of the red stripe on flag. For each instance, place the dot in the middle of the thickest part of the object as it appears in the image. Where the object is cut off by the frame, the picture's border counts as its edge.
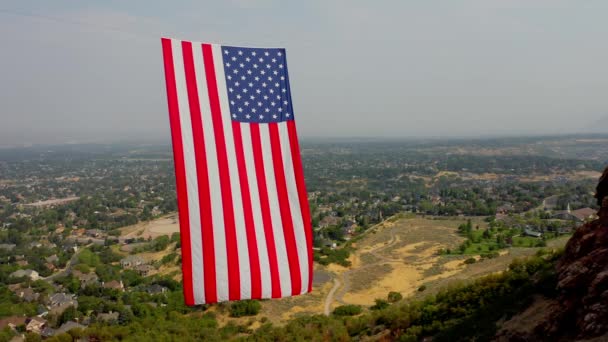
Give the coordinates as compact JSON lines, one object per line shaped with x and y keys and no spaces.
{"x":234,"y":282}
{"x":202,"y":176}
{"x":289,"y":234}
{"x":299,"y":173}
{"x":254,"y":259}
{"x":180,"y":170}
{"x":256,"y":145}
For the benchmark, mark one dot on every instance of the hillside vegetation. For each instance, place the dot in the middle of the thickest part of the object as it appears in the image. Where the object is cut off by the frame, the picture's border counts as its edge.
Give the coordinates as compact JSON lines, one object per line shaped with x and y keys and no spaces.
{"x":468,"y":311}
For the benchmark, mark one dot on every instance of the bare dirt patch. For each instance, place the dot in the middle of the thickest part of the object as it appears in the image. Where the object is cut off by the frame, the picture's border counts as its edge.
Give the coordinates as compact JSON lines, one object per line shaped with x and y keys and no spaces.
{"x":166,"y":225}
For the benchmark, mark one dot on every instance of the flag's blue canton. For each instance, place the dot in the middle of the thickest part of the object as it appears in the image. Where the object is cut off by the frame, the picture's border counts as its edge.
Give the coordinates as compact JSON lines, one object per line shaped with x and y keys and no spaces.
{"x":257,"y":84}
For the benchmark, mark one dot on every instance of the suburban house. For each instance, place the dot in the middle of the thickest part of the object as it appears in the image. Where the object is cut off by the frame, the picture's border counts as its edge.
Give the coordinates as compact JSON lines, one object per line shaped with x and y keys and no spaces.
{"x":59,"y":299}
{"x":531,"y":232}
{"x":53,"y":259}
{"x":27,"y":294}
{"x":131,"y":261}
{"x":86,"y":279}
{"x":31,"y":274}
{"x":505,"y":209}
{"x":35,"y":325}
{"x":584,"y":214}
{"x":67,"y":326}
{"x":156,"y":289}
{"x":59,"y":302}
{"x":7,"y":246}
{"x":349,"y":227}
{"x":111,"y":317}
{"x":12,"y":322}
{"x":35,"y":244}
{"x":144,"y":270}
{"x":115,"y":285}
{"x":329,"y":221}
{"x":94,"y":233}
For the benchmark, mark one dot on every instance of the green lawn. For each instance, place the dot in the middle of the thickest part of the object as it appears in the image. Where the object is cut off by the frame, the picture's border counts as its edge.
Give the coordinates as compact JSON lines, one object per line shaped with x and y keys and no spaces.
{"x":525,"y":241}
{"x":477,"y":244}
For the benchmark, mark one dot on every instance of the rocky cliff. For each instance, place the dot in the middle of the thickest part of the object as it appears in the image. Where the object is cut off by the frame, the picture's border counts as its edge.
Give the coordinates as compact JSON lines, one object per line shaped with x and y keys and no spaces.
{"x":580,"y":309}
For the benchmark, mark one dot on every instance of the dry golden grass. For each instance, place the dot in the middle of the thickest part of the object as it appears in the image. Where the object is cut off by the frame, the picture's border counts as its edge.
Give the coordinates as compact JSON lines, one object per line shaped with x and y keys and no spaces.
{"x":393,"y":256}
{"x":165,"y":225}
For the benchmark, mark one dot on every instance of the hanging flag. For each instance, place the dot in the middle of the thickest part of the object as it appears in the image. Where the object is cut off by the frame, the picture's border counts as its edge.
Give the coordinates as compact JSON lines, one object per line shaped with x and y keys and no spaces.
{"x":243,"y":210}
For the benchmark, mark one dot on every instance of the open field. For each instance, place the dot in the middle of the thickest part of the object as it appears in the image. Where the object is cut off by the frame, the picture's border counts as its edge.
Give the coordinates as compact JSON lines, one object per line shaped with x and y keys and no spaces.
{"x":400,"y":254}
{"x":166,"y":225}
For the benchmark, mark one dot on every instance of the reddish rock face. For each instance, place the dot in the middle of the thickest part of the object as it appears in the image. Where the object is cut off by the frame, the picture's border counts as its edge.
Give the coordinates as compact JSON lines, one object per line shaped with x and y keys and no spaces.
{"x":583,"y":278}
{"x":580,"y":311}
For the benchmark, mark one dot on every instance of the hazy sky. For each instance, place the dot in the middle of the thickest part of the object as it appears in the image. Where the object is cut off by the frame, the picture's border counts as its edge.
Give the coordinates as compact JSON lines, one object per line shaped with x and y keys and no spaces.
{"x":75,"y":71}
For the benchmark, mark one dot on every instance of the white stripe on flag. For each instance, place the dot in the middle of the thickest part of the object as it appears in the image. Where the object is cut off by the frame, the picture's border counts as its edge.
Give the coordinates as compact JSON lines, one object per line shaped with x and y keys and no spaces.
{"x":257,"y":211}
{"x":191,"y":175}
{"x":275,"y":211}
{"x":217,"y":213}
{"x":237,"y":199}
{"x":294,"y":204}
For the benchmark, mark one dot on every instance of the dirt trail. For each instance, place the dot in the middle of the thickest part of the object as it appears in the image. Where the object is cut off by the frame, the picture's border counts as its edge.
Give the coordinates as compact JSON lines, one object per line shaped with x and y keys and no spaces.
{"x":342,"y":282}
{"x":330,"y":296}
{"x":402,"y":256}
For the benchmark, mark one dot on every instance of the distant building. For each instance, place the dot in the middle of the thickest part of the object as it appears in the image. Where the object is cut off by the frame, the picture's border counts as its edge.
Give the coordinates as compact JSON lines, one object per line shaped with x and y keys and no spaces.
{"x":584,"y":214}
{"x":579,"y":215}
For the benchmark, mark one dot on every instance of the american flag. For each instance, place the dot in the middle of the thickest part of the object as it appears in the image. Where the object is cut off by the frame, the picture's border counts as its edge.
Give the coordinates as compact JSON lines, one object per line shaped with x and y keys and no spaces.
{"x":243,"y":211}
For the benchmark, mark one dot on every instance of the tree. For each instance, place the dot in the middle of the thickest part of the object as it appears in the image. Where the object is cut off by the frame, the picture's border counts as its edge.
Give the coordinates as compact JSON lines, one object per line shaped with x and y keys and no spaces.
{"x":394,"y":297}
{"x":67,"y":315}
{"x":347,"y":310}
{"x":380,"y":304}
{"x":125,"y":316}
{"x":245,"y":308}
{"x":89,"y":258}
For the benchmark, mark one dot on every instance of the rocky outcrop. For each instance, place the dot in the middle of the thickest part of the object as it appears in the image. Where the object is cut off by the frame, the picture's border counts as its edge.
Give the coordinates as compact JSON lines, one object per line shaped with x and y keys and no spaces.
{"x":583,"y":280}
{"x":580,"y":310}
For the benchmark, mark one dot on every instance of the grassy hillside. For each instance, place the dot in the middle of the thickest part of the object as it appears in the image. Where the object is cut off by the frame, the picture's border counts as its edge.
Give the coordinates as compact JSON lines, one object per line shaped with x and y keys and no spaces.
{"x":459,"y":313}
